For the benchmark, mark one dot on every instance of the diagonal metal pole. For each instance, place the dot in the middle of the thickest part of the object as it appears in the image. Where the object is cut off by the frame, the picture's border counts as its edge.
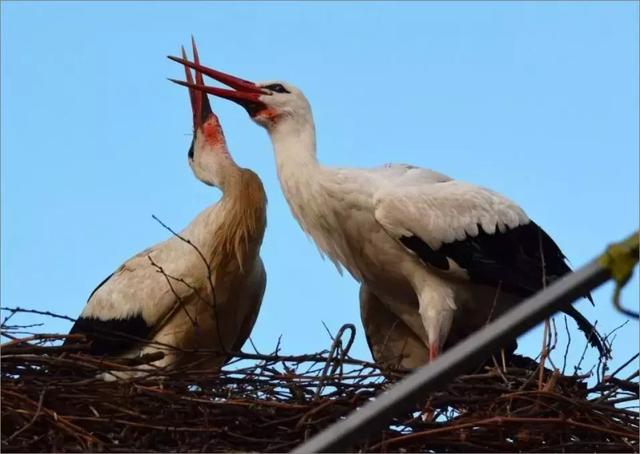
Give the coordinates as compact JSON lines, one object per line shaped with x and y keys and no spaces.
{"x":405,"y":394}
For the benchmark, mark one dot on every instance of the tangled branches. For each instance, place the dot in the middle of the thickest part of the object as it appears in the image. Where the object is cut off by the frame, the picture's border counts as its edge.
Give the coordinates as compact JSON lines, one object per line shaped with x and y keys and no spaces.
{"x":52,"y":400}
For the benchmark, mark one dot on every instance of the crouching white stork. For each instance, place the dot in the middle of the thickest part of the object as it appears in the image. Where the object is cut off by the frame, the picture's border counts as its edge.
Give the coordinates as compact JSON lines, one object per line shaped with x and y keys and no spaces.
{"x":201,"y":290}
{"x":441,"y":255}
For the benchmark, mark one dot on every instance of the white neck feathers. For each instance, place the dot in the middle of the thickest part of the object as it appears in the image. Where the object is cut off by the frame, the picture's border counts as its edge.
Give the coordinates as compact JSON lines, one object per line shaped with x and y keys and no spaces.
{"x":294,"y":143}
{"x":307,"y":188}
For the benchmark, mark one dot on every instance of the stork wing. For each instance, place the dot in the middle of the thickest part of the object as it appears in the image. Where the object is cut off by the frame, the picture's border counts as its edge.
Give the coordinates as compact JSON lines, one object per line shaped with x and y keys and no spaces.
{"x":253,"y":292}
{"x":455,"y":224}
{"x":129,"y":305}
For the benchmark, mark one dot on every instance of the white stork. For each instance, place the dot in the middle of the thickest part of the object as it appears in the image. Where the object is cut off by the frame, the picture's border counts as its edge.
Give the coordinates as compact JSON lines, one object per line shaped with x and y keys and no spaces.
{"x":201,"y":290}
{"x":441,"y":255}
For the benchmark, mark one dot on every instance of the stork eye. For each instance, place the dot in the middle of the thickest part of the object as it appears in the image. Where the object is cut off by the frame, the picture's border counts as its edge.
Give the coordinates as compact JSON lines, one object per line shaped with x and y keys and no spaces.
{"x":278,"y":88}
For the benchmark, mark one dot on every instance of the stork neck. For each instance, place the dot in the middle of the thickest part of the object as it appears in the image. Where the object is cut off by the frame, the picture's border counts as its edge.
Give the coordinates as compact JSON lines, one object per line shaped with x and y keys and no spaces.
{"x":241,"y":232}
{"x":231,"y":230}
{"x":228,"y":174}
{"x":294,"y":145}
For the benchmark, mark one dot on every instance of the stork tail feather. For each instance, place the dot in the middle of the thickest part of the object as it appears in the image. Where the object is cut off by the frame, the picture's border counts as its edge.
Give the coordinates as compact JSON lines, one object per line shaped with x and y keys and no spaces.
{"x":593,"y":337}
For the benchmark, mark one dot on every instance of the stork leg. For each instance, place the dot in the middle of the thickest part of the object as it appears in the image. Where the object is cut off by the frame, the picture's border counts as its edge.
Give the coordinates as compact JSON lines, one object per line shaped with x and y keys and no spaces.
{"x":434,"y":351}
{"x":436,"y":305}
{"x":428,"y":411}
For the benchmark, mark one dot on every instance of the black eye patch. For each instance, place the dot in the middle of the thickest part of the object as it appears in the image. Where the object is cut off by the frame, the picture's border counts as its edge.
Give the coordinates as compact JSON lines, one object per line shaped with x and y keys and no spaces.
{"x":278,"y":88}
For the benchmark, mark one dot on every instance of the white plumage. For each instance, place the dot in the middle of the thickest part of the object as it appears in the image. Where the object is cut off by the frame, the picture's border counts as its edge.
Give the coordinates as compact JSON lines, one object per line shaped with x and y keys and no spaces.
{"x":358,"y":216}
{"x":445,"y":212}
{"x":201,"y":289}
{"x":441,"y":255}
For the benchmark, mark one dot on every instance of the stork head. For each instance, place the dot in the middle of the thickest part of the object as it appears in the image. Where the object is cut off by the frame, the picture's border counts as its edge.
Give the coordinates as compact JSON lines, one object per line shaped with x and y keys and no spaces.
{"x":270,"y":104}
{"x":208,"y":153}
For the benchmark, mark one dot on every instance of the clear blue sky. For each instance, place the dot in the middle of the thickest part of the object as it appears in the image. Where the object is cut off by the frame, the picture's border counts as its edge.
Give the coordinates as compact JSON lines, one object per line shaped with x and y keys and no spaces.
{"x":538,"y":101}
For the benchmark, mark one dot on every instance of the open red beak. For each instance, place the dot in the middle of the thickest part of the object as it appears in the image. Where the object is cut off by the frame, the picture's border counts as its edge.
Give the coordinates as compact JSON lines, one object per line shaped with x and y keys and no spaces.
{"x":199,"y":101}
{"x":245,"y":93}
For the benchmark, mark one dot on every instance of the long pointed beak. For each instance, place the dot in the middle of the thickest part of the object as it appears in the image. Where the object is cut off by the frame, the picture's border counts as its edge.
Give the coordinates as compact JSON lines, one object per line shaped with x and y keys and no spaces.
{"x":245,"y":93}
{"x":199,"y":101}
{"x":237,"y":96}
{"x":227,"y":79}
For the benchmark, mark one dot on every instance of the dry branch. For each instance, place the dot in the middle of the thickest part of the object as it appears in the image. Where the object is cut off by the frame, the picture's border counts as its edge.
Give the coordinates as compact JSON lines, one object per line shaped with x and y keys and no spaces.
{"x":52,"y":401}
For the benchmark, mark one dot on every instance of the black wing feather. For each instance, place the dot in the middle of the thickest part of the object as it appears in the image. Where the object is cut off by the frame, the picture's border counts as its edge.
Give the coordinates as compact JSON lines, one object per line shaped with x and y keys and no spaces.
{"x":112,"y":337}
{"x":518,"y":258}
{"x":426,"y":254}
{"x":522,"y":260}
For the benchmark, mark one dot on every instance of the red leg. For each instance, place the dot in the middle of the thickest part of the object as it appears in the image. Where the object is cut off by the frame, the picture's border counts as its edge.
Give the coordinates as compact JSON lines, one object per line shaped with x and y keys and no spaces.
{"x":434,"y":352}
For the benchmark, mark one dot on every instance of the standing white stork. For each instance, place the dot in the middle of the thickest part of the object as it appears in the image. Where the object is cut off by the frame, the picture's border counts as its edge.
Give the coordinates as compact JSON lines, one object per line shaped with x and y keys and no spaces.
{"x":199,"y":290}
{"x":438,"y":253}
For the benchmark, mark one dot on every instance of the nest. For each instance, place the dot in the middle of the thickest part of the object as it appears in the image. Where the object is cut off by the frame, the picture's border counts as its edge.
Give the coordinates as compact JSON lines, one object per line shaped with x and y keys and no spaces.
{"x":53,"y":401}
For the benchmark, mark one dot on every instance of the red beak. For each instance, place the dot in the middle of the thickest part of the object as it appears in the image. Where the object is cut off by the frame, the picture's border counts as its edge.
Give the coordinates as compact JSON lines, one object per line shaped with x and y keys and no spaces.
{"x":245,"y":93}
{"x":199,"y":101}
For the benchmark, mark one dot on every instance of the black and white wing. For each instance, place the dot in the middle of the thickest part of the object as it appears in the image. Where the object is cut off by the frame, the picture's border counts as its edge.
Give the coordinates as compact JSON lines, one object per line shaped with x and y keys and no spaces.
{"x":458,"y":225}
{"x":128,"y":306}
{"x":454,"y":225}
